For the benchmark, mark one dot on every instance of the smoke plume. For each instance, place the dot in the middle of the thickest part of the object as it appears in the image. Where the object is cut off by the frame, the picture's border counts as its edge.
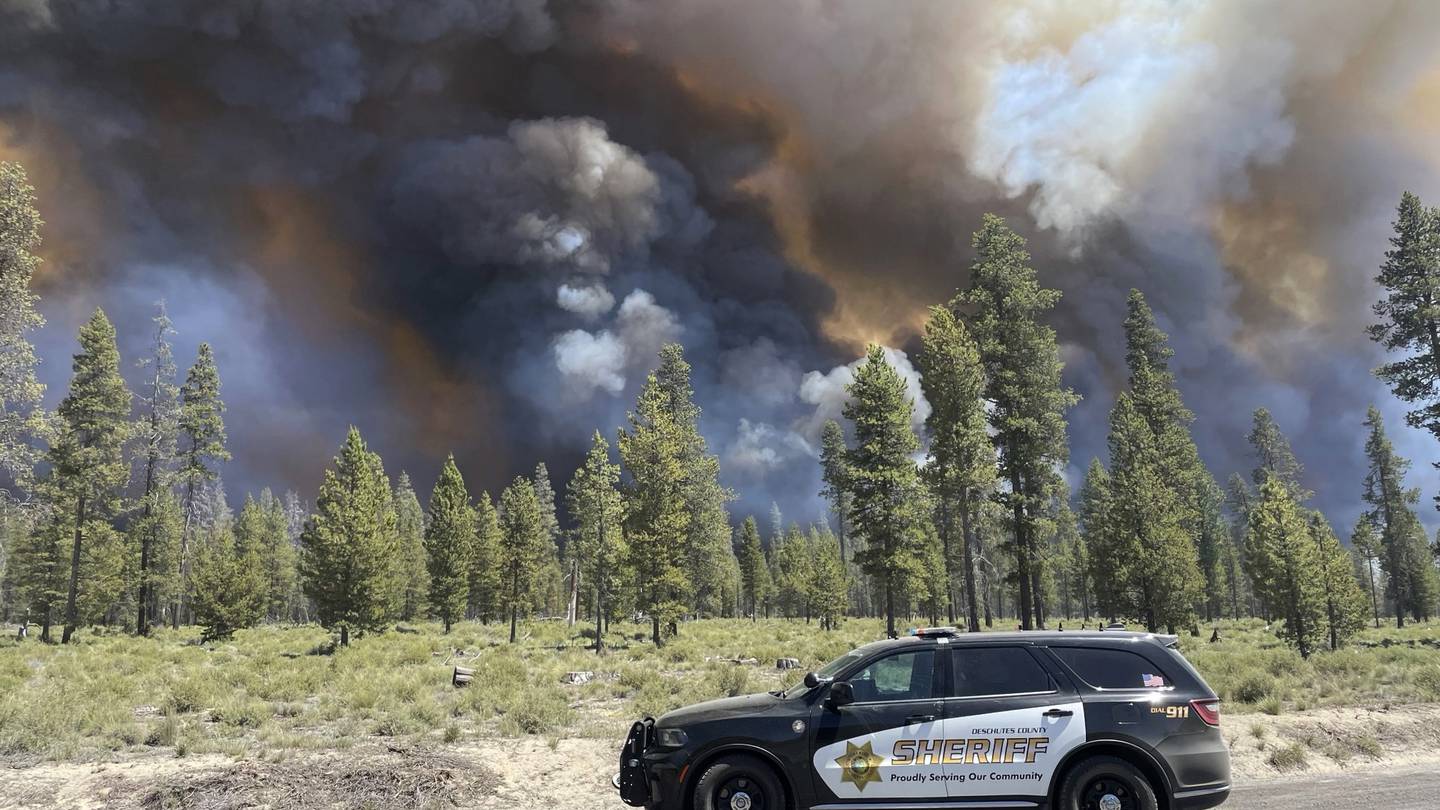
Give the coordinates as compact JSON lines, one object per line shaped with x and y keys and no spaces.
{"x":469,"y":224}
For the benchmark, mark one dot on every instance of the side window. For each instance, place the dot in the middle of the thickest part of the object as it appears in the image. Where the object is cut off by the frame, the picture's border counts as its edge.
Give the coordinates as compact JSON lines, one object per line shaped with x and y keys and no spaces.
{"x":998,"y":671}
{"x":1112,"y":669}
{"x":903,"y":676}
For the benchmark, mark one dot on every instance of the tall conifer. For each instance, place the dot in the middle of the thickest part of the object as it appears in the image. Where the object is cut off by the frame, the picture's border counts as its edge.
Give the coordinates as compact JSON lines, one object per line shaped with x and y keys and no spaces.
{"x":87,"y":459}
{"x":449,"y":545}
{"x":884,"y":482}
{"x":348,"y":546}
{"x":1005,"y":304}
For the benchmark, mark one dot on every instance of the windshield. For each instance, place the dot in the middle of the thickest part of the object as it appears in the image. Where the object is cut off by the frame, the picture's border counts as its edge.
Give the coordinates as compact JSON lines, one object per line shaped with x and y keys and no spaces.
{"x":827,"y":671}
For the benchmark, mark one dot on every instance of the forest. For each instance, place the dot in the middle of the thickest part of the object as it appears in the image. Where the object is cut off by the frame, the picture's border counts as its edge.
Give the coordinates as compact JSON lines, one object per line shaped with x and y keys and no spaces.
{"x":115,"y":514}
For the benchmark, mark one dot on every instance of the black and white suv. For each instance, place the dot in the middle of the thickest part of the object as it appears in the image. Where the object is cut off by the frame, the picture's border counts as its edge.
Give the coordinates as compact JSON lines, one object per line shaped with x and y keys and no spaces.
{"x":1099,"y":720}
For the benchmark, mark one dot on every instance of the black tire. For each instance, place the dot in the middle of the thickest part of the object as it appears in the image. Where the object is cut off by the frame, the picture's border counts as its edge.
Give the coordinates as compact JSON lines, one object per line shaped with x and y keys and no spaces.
{"x":723,"y":783}
{"x":1092,"y":779}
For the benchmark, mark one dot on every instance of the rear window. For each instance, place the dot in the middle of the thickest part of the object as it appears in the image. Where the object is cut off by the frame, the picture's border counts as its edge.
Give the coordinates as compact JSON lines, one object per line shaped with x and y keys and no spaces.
{"x":997,"y":671}
{"x":1113,"y":669}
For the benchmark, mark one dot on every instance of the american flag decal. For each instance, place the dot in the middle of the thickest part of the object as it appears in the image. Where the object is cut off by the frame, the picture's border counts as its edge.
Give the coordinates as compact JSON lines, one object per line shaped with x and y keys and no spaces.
{"x":1155,"y":681}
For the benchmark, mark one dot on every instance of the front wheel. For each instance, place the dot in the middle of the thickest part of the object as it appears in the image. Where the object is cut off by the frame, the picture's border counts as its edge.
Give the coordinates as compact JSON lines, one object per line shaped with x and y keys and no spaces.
{"x":1106,"y":783}
{"x":739,"y":783}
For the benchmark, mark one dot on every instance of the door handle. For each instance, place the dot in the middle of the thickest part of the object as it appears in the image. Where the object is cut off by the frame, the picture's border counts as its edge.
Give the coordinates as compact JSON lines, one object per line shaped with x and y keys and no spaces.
{"x":1058,"y":713}
{"x":919,"y":718}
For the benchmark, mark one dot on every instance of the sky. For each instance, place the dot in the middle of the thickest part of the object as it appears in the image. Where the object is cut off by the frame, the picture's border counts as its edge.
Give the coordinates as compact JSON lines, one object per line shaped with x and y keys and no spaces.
{"x":468,"y":225}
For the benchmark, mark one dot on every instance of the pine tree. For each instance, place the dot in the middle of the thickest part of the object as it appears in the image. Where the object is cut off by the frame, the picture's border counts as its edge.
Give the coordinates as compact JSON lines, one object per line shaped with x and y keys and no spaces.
{"x":229,"y":581}
{"x":1367,"y":551}
{"x":87,"y":459}
{"x":962,"y":459}
{"x":1286,"y":564}
{"x":202,"y":448}
{"x":277,"y":558}
{"x":449,"y":544}
{"x":1410,"y":312}
{"x":598,"y":545}
{"x":159,"y":423}
{"x":754,"y":568}
{"x":834,"y":474}
{"x":348,"y":546}
{"x":1238,"y":499}
{"x":1110,"y":553}
{"x":485,"y":562}
{"x":1273,"y":457}
{"x":156,"y":532}
{"x":675,"y":504}
{"x":1344,"y":601}
{"x":551,"y":581}
{"x":830,"y":587}
{"x":884,"y":483}
{"x":1197,"y":497}
{"x":794,"y":577}
{"x":1162,"y":578}
{"x":414,"y":586}
{"x":1405,"y":559}
{"x":40,"y":564}
{"x":1022,"y":366}
{"x":22,"y":415}
{"x":706,"y":545}
{"x":522,"y":548}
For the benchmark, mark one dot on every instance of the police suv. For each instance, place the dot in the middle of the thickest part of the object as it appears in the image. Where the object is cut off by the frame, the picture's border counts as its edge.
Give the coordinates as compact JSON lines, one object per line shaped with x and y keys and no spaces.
{"x":1098,"y":720}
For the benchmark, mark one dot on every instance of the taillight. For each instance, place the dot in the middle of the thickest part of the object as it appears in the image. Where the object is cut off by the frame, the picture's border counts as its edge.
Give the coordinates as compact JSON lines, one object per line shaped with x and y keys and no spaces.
{"x":1207,"y":710}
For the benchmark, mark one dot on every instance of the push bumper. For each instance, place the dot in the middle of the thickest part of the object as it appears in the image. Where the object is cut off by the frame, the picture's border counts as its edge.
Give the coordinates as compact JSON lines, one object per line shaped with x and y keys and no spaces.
{"x":648,"y":777}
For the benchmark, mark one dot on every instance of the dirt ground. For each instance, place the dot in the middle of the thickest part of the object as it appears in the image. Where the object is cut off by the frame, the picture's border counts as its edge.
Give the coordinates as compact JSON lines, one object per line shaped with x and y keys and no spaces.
{"x":533,"y":774}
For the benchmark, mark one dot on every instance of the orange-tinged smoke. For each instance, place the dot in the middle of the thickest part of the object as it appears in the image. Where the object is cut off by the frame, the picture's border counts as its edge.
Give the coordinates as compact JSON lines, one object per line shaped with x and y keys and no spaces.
{"x":77,"y":218}
{"x":307,"y":266}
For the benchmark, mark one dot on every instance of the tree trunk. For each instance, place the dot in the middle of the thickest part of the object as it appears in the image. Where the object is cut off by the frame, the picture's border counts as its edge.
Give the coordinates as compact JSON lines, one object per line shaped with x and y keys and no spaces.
{"x":967,"y":530}
{"x":344,"y":636}
{"x":946,"y":529}
{"x":514,"y":620}
{"x":1022,"y":550}
{"x":889,"y":608}
{"x":655,"y":631}
{"x":71,"y":602}
{"x":45,"y":622}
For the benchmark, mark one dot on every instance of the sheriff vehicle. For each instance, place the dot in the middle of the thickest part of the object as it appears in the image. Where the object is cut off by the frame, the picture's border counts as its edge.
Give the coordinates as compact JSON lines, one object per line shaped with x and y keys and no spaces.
{"x":1100,"y":720}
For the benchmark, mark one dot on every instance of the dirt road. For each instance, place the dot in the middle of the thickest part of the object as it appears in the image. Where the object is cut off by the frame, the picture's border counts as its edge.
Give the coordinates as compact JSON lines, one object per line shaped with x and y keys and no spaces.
{"x":1408,"y":789}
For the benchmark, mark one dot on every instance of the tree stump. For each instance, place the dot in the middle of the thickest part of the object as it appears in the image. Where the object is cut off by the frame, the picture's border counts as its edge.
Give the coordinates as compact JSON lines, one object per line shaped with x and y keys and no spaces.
{"x":462,"y":676}
{"x":787,"y":663}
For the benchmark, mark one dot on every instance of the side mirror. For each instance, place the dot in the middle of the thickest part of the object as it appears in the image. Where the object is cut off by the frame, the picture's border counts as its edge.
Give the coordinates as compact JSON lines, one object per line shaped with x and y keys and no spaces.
{"x":841,"y":694}
{"x":812,"y":680}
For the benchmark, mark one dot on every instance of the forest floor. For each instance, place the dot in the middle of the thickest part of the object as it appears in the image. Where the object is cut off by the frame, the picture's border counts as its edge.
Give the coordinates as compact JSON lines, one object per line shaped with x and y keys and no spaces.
{"x":278,"y":717}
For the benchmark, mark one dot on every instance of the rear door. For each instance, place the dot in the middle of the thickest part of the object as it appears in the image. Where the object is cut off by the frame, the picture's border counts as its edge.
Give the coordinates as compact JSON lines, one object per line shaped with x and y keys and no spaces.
{"x":1010,"y":718}
{"x":897,"y":707}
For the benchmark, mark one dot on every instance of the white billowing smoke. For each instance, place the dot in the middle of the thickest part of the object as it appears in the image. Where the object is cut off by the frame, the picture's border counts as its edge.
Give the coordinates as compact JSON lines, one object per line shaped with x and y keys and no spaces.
{"x":601,"y":360}
{"x":589,"y":301}
{"x":1154,"y":113}
{"x":826,"y":391}
{"x":759,"y":447}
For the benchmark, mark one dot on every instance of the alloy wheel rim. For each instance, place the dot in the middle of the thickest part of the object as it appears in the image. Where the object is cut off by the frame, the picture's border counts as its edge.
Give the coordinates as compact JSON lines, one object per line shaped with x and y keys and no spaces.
{"x":1109,"y":793}
{"x":740,"y":793}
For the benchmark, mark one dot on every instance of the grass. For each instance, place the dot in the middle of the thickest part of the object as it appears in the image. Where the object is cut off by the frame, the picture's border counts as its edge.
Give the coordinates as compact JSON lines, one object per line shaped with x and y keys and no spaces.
{"x":277,"y":689}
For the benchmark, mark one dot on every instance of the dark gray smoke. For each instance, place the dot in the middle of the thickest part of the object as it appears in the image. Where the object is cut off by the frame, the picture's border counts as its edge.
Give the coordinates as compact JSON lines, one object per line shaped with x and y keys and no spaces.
{"x":470,"y":225}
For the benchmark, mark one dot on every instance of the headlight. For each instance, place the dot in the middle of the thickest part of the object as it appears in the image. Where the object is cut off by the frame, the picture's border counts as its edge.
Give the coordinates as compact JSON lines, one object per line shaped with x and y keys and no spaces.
{"x":671,"y":738}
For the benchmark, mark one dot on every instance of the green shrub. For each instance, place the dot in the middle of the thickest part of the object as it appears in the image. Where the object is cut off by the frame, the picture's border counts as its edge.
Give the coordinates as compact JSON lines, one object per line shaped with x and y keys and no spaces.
{"x":1289,"y":758}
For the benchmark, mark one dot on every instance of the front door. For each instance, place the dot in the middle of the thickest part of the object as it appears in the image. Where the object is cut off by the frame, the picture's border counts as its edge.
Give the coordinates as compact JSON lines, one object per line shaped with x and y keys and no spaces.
{"x":1009,"y":721}
{"x":866,"y":750}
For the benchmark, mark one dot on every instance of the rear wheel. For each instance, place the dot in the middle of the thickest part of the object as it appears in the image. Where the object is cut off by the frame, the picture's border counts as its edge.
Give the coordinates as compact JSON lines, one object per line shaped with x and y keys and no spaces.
{"x":739,"y":783}
{"x":1106,"y":783}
